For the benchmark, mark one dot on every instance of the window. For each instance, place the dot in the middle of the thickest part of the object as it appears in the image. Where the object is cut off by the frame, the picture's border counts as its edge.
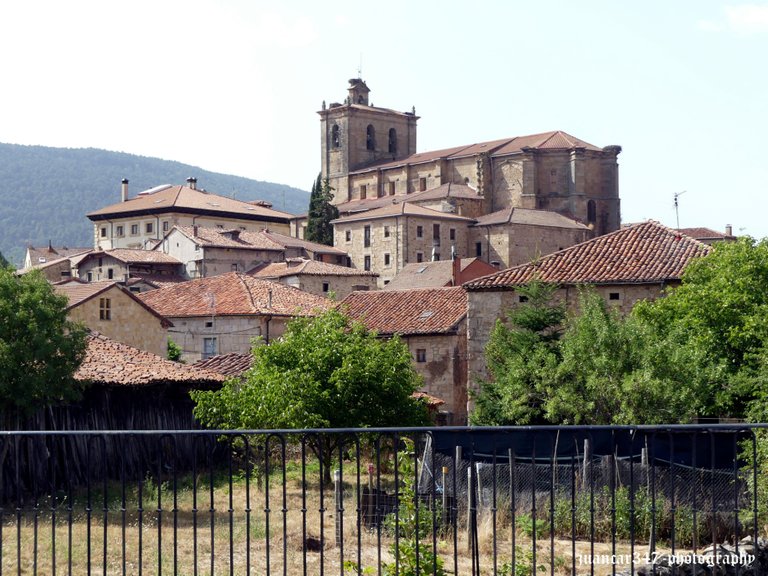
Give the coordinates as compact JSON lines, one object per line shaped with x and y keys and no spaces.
{"x":435,"y":256}
{"x":391,"y":188}
{"x":522,"y":299}
{"x":234,"y":267}
{"x":392,"y":141}
{"x":119,"y":231}
{"x":326,"y":287}
{"x":419,"y":232}
{"x":386,"y":260}
{"x":419,"y":256}
{"x":209,"y":347}
{"x":149,"y":227}
{"x":197,"y":247}
{"x":591,"y":212}
{"x":209,"y":324}
{"x":553,"y":180}
{"x":367,"y":237}
{"x":105,"y":309}
{"x":386,"y":231}
{"x":367,"y":264}
{"x":436,"y":234}
{"x":134,"y":229}
{"x":422,"y":184}
{"x":363,"y":191}
{"x":421,"y":355}
{"x":90,"y":276}
{"x":370,"y":138}
{"x":614,"y":296}
{"x":478,"y":249}
{"x":103,"y":232}
{"x":452,"y":233}
{"x":110,"y":273}
{"x":348,"y":236}
{"x":101,"y":262}
{"x":166,"y":224}
{"x":336,"y":136}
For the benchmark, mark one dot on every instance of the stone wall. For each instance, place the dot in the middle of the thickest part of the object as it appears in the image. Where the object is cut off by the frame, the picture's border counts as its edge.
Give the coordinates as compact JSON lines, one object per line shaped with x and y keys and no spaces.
{"x":341,"y":286}
{"x":129,"y":322}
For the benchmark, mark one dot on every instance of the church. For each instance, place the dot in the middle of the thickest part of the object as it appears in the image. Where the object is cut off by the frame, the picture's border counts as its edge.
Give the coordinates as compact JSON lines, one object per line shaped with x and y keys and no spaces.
{"x":506,"y":201}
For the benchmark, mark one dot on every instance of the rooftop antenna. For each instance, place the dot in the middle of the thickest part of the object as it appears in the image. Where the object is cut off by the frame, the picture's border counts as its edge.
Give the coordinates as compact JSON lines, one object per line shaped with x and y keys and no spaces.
{"x":360,"y":67}
{"x":677,"y":213}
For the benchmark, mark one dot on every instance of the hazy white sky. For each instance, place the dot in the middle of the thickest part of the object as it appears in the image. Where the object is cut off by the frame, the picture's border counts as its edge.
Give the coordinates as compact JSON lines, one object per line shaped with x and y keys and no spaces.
{"x":234,"y":86}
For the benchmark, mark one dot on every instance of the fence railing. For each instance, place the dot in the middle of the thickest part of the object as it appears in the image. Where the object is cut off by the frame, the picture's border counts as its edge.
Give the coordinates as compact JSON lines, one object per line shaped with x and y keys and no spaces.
{"x":506,"y":501}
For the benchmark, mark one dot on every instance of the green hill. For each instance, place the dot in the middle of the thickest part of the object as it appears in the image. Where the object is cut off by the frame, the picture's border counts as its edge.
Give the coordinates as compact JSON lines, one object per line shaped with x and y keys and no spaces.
{"x":46,"y":192}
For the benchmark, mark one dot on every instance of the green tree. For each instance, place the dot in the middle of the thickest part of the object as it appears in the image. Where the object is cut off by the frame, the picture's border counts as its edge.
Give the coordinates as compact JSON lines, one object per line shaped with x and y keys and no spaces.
{"x":325,"y":372}
{"x":3,"y":262}
{"x":321,"y":213}
{"x":174,"y":351}
{"x":522,"y":356}
{"x":40,"y":349}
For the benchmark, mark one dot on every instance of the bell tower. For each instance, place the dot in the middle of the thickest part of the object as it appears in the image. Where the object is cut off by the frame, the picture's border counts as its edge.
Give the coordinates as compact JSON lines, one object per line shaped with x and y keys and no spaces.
{"x":356,"y":135}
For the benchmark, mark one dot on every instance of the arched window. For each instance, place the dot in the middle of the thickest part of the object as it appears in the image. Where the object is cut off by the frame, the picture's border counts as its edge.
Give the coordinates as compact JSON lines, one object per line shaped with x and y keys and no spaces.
{"x":591,"y":212}
{"x":370,"y":140}
{"x":392,"y":141}
{"x":336,"y":136}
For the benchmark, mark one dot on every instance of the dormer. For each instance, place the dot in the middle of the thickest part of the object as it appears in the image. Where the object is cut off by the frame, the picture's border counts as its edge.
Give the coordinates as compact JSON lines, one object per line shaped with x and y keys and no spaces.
{"x":358,"y":92}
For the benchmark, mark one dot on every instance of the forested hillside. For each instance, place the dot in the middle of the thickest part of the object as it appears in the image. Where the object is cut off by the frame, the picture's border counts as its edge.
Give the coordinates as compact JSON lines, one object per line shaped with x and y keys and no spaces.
{"x":46,"y":192}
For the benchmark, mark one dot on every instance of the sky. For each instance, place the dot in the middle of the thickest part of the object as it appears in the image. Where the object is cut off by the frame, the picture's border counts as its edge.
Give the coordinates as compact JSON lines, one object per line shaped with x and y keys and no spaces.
{"x":234,"y":86}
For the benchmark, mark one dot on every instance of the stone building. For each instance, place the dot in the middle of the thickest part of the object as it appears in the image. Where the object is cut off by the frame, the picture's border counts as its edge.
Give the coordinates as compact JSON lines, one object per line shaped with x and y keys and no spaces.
{"x":316,"y":277}
{"x":625,"y":266}
{"x":432,"y":322}
{"x":223,"y":314}
{"x":124,"y":263}
{"x":370,"y":152}
{"x":110,"y":309}
{"x":142,"y":221}
{"x":440,"y":274}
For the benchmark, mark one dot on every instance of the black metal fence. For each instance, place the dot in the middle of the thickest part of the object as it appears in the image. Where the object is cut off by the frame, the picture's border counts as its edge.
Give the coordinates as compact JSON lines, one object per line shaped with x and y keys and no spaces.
{"x":506,"y":501}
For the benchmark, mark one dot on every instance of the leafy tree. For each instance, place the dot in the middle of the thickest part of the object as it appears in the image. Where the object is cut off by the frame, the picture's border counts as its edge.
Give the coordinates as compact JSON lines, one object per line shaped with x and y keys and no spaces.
{"x":3,"y":262}
{"x":325,"y":372}
{"x":40,"y":349}
{"x":174,"y":351}
{"x":522,"y":357}
{"x":321,"y":212}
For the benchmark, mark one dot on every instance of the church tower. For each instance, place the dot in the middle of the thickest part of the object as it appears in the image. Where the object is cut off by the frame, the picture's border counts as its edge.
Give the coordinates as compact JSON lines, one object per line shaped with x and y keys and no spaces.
{"x":357,"y":135}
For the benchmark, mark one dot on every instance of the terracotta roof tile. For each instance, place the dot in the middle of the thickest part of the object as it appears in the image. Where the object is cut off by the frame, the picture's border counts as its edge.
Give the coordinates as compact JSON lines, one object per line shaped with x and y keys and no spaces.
{"x":53,"y":253}
{"x":425,"y":311}
{"x":432,"y":274}
{"x":528,"y":216}
{"x":78,"y":292}
{"x":232,"y":294}
{"x":644,"y":253}
{"x":233,"y":364}
{"x":400,"y":209}
{"x":183,"y":198}
{"x":136,"y":256}
{"x":113,"y":363}
{"x":705,"y":234}
{"x":296,"y":266}
{"x":448,"y":190}
{"x":262,"y":240}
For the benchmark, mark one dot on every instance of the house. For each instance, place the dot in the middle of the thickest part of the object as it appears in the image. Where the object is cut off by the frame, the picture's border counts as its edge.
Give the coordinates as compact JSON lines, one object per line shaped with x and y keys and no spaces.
{"x":631,"y":264}
{"x":369,"y":152}
{"x":125,"y":263}
{"x":142,"y":221}
{"x":56,"y":264}
{"x":208,"y":252}
{"x":709,"y":236}
{"x":432,"y":322}
{"x":316,"y":277}
{"x":115,"y":312}
{"x":440,"y":273}
{"x":223,"y":314}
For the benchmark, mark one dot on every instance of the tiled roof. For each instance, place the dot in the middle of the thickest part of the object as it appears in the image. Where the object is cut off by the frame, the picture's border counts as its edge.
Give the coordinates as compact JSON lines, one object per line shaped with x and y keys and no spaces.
{"x":262,"y":240}
{"x":425,"y":311}
{"x":109,"y":362}
{"x":554,"y":140}
{"x":640,"y":254}
{"x":400,"y":209}
{"x":233,"y":364}
{"x":157,"y":280}
{"x":528,"y":216}
{"x":432,"y":274}
{"x":232,"y":294}
{"x":136,"y":256}
{"x":367,"y":204}
{"x":705,"y":234}
{"x":185,"y":199}
{"x":53,"y":253}
{"x":448,"y":190}
{"x":296,"y":266}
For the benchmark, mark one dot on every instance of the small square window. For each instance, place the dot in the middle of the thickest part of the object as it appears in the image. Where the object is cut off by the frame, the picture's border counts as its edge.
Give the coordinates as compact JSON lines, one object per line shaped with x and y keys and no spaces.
{"x":614,"y":296}
{"x":209,"y":324}
{"x":110,"y":273}
{"x":326,"y":287}
{"x":478,"y":249}
{"x":134,"y":229}
{"x":166,"y":224}
{"x":422,"y":184}
{"x":386,"y":231}
{"x":421,"y":355}
{"x":234,"y":267}
{"x":452,"y":233}
{"x":419,"y":257}
{"x":149,"y":227}
{"x":386,"y":259}
{"x":348,"y":236}
{"x":363,"y":191}
{"x":209,"y":347}
{"x":522,"y":299}
{"x":419,"y":232}
{"x":391,"y":188}
{"x":367,"y":264}
{"x":105,"y":309}
{"x":103,"y":231}
{"x":119,"y":231}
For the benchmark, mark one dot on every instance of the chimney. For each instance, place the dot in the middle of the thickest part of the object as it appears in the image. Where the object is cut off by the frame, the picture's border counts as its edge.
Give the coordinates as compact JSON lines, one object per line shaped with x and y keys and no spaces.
{"x":455,"y":268}
{"x":269,"y":298}
{"x":194,"y":230}
{"x":192,"y":183}
{"x":124,"y":190}
{"x":728,"y":230}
